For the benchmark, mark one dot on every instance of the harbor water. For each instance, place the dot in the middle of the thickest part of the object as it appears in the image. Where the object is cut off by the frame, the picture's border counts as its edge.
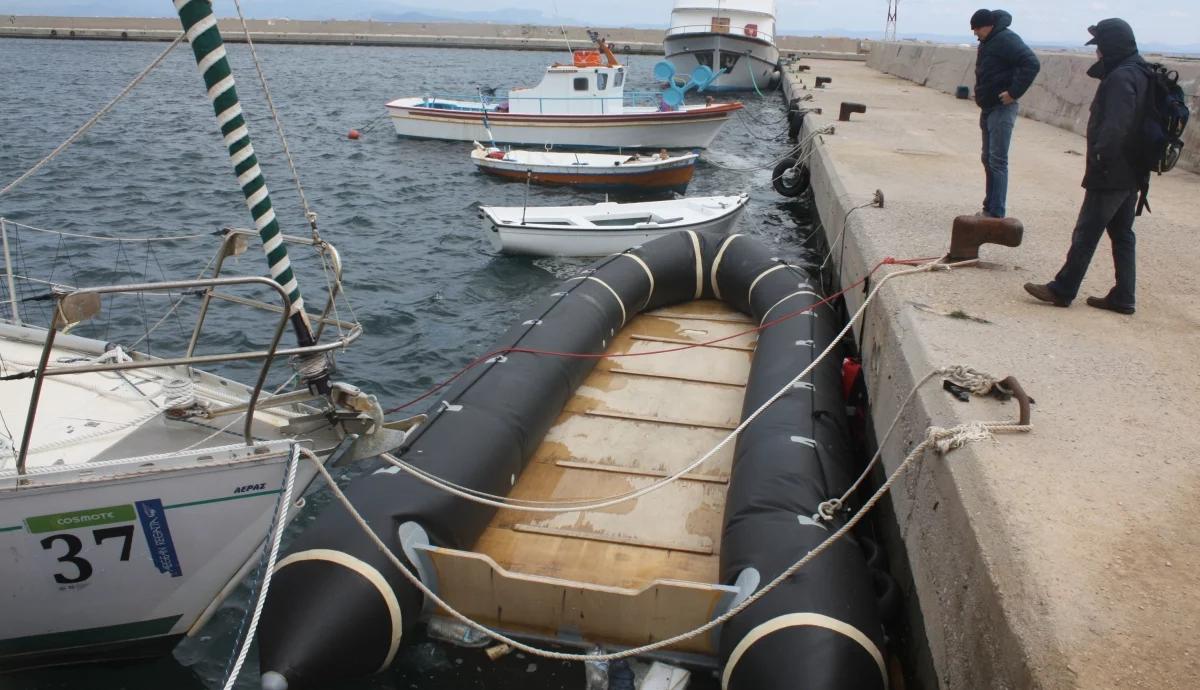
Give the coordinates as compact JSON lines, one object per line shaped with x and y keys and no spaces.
{"x":428,"y":290}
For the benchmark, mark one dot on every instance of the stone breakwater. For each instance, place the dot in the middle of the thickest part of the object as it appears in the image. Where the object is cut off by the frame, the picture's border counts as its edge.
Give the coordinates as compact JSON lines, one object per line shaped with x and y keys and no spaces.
{"x":426,"y":34}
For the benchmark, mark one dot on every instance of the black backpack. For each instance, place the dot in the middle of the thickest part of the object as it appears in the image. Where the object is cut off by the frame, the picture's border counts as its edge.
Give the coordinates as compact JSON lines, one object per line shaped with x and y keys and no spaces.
{"x":1160,"y":138}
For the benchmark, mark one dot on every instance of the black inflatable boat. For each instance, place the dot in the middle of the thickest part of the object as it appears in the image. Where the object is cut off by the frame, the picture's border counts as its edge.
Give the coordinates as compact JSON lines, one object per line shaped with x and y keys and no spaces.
{"x":337,"y":608}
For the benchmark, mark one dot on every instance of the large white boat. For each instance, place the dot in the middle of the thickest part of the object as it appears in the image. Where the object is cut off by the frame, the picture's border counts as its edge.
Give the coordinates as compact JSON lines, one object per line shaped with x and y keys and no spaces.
{"x":604,"y":228}
{"x":734,"y":38}
{"x":582,"y":104}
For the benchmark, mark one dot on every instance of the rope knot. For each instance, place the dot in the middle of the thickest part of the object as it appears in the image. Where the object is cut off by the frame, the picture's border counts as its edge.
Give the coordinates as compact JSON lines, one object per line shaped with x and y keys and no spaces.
{"x":827,"y":511}
{"x":975,"y":381}
{"x":946,"y":440}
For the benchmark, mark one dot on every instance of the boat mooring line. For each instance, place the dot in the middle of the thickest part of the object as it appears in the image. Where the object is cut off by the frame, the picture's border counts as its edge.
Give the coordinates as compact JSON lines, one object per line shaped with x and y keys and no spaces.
{"x":712,"y":276}
{"x":942,"y":440}
{"x":597,"y":504}
{"x":793,"y":620}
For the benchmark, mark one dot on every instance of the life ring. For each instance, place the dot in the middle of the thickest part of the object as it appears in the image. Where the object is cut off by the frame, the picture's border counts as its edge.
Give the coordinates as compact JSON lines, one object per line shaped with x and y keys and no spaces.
{"x":790,"y":179}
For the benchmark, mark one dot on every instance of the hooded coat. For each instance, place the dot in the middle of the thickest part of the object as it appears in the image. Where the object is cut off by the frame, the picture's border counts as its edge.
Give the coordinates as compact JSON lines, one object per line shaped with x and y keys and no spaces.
{"x":1118,"y":108}
{"x":1004,"y":63}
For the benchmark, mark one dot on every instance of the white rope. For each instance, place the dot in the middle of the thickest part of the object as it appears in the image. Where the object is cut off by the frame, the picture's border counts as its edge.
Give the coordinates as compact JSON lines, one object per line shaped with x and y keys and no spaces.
{"x":309,"y":214}
{"x":597,"y":504}
{"x":280,"y":522}
{"x":944,"y":440}
{"x":164,"y":238}
{"x":95,"y":118}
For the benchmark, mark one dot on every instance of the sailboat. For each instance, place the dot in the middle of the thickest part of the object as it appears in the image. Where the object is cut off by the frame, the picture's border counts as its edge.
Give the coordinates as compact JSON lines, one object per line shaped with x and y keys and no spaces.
{"x":137,"y":491}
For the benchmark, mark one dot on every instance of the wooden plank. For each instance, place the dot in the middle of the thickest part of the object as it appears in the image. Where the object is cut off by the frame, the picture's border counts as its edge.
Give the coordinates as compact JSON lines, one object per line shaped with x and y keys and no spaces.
{"x":485,"y":591}
{"x":676,"y":377}
{"x":660,"y":420}
{"x":690,"y":476}
{"x":702,"y":365}
{"x":700,"y":545}
{"x":684,"y":341}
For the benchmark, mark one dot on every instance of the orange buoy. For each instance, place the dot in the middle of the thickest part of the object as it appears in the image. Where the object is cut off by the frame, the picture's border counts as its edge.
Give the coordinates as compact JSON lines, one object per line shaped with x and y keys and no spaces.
{"x":354,"y":134}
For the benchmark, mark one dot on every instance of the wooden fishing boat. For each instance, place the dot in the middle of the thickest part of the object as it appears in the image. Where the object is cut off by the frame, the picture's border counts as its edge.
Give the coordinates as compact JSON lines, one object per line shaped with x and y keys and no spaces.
{"x":545,"y":421}
{"x":606,"y":227}
{"x":580,"y":105}
{"x":655,"y":173}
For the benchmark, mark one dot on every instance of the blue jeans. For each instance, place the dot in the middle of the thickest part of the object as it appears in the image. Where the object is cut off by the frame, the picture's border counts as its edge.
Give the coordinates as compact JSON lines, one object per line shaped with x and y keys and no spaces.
{"x":1111,"y":210}
{"x":997,"y":124}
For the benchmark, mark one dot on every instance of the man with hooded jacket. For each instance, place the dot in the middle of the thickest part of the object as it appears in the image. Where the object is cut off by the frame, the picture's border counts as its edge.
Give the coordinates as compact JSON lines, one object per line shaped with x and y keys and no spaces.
{"x":1004,"y":70}
{"x":1111,"y":178}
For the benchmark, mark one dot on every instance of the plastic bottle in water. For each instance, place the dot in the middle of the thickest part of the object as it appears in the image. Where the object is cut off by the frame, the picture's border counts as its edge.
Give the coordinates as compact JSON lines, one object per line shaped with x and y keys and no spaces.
{"x":620,"y":676}
{"x":596,"y":672}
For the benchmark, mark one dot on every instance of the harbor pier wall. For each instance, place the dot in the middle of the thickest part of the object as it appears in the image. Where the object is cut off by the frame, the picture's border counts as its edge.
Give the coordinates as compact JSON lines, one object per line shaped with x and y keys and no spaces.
{"x":1061,"y":95}
{"x":1062,"y":558}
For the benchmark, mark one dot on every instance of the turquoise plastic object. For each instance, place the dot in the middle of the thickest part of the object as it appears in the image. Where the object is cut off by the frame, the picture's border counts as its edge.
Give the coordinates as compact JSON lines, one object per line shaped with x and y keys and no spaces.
{"x":673,"y":96}
{"x":664,"y":71}
{"x":702,"y":76}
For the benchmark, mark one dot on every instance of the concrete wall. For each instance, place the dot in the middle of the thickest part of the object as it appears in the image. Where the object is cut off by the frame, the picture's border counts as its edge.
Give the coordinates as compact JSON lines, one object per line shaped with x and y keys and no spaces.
{"x":1061,"y":95}
{"x":343,"y":32}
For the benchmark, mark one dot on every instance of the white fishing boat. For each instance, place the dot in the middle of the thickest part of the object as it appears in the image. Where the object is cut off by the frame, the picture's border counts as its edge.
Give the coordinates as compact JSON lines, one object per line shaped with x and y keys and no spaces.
{"x":137,"y":491}
{"x":652,"y":173}
{"x":582,"y":105}
{"x":734,"y":38}
{"x":604,"y":228}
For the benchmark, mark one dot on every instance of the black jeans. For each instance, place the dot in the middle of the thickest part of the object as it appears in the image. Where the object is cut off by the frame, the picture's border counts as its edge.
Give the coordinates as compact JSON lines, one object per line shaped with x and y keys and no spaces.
{"x":1111,"y":210}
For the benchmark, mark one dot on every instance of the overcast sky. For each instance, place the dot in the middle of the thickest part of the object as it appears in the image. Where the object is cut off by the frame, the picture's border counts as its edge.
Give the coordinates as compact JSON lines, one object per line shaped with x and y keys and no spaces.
{"x":1060,"y":21}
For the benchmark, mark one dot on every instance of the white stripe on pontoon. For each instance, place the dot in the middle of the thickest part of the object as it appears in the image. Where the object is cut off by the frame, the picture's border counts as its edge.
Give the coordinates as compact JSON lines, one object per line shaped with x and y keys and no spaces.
{"x":794,"y":620}
{"x":699,"y":264}
{"x":615,"y":296}
{"x":717,"y":262}
{"x":794,"y":294}
{"x":367,"y":572}
{"x":649,"y":295}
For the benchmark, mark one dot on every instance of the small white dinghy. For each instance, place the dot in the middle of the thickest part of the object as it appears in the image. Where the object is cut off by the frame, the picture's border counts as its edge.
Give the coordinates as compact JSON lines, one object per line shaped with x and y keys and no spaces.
{"x":603,"y":228}
{"x":651,"y":173}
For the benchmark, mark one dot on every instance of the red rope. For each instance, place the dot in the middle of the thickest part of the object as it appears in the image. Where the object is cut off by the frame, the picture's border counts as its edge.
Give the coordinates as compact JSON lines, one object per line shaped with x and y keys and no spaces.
{"x":889,"y":261}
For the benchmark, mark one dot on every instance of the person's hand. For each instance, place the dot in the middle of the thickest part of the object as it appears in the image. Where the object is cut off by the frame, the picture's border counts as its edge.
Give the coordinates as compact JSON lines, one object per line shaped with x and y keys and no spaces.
{"x":1007,"y":98}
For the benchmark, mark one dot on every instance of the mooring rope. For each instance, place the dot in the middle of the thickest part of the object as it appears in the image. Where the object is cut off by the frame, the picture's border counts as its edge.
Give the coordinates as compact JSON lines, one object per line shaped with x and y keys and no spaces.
{"x":941,"y":440}
{"x":497,"y":501}
{"x":278,"y":523}
{"x":94,"y":119}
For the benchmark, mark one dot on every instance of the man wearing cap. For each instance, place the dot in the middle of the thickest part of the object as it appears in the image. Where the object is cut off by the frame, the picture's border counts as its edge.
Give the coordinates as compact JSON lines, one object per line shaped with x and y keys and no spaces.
{"x":1004,"y":70}
{"x":1111,"y":179}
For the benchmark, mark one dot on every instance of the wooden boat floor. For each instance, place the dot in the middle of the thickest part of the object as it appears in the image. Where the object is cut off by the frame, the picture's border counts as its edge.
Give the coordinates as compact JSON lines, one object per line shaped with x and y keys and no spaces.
{"x":633,"y":421}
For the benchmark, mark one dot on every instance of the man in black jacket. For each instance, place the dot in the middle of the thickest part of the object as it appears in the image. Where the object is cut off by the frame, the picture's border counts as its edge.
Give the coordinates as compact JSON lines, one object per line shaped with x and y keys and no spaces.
{"x":1004,"y":70}
{"x":1111,"y":179}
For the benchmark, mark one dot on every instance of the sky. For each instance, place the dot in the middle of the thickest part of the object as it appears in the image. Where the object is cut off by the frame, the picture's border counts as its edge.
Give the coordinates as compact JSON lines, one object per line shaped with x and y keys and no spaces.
{"x":1171,"y":22}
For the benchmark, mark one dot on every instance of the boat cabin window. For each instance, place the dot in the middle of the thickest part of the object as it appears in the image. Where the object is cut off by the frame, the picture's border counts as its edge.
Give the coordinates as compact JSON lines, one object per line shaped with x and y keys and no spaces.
{"x":704,"y":58}
{"x":619,"y":79}
{"x":581,"y":83}
{"x":601,"y":81}
{"x":728,"y":60}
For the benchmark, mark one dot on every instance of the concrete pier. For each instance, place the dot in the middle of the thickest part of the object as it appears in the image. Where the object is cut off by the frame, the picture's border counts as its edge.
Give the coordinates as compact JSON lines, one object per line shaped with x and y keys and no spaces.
{"x":416,"y":34}
{"x":1066,"y":558}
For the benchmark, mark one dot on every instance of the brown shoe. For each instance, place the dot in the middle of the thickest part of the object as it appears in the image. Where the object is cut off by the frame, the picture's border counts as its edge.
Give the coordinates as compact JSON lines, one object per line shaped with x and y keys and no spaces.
{"x":1045,"y":294}
{"x":1103,"y":303}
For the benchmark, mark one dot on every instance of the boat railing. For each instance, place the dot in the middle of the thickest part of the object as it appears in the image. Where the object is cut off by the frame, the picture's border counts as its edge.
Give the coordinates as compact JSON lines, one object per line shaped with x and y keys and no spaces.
{"x":748,"y":30}
{"x":73,"y":306}
{"x":498,"y":104}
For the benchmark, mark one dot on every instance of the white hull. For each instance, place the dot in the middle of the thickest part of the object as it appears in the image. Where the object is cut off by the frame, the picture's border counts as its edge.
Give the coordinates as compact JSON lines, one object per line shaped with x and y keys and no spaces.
{"x":631,"y":130}
{"x":134,"y":556}
{"x":532,"y":239}
{"x":756,"y":65}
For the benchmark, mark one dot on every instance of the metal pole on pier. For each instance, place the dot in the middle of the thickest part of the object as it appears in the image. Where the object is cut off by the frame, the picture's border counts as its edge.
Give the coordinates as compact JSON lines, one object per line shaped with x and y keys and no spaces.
{"x":200,"y":27}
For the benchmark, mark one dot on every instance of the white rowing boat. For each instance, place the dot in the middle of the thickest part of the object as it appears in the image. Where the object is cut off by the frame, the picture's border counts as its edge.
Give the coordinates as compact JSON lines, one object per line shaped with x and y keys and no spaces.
{"x":606,"y":227}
